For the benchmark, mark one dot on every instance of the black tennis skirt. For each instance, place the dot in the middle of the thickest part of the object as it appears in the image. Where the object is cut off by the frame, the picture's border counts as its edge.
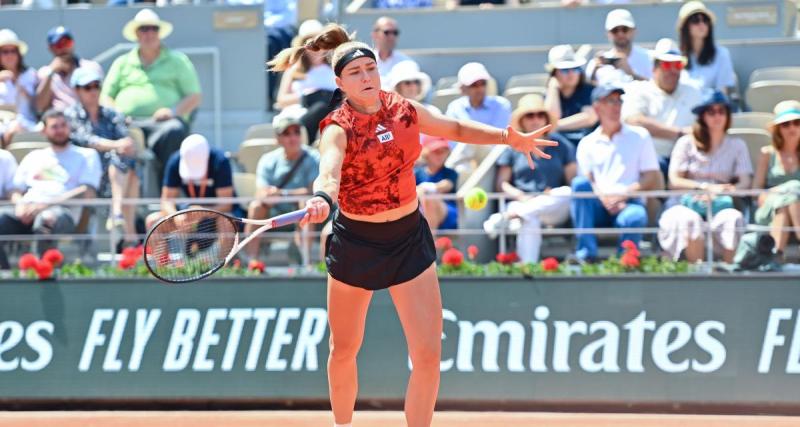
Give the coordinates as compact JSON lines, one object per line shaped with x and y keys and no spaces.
{"x":376,"y":256}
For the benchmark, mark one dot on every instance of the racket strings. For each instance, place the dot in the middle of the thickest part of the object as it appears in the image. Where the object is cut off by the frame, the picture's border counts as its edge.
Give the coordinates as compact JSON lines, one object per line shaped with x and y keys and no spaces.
{"x":190,"y":245}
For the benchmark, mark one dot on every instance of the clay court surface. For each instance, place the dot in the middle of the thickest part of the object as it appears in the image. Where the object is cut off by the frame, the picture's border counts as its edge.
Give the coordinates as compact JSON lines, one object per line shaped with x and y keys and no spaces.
{"x":376,"y":419}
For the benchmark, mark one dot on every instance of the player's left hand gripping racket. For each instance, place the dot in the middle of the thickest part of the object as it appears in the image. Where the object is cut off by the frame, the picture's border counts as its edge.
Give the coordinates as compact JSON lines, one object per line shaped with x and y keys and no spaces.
{"x":193,"y":244}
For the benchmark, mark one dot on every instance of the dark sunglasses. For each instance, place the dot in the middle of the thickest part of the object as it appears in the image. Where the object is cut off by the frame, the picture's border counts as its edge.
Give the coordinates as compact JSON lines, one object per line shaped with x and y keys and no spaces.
{"x":716,"y":111}
{"x":698,"y":18}
{"x":91,"y":86}
{"x":620,"y":29}
{"x":292,"y":130}
{"x":535,"y":115}
{"x":671,"y":65}
{"x":8,"y":51}
{"x":147,"y":28}
{"x":391,"y":32}
{"x":63,"y":43}
{"x":795,"y":122}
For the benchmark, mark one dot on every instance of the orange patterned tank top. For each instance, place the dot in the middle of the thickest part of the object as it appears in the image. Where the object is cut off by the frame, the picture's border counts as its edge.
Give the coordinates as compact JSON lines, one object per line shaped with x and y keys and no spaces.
{"x":378,"y":166}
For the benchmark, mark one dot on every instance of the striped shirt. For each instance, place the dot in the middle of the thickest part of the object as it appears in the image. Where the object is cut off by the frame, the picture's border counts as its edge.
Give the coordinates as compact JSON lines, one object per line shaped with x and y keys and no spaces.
{"x":729,"y":160}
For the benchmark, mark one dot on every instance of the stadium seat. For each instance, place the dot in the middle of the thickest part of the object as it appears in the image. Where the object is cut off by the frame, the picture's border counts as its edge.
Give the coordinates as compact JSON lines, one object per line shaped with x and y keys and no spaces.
{"x":755,"y":139}
{"x":263,"y":130}
{"x":775,"y":73}
{"x":446,"y":82}
{"x":533,"y":79}
{"x":28,"y":137}
{"x":751,"y":120}
{"x":244,"y":184}
{"x":7,"y":113}
{"x":763,"y":95}
{"x":443,"y":97}
{"x":515,"y":93}
{"x":21,"y":149}
{"x":251,"y":151}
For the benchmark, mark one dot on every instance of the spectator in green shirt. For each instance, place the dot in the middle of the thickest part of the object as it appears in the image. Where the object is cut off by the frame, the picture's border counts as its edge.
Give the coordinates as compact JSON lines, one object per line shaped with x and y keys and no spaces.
{"x":157,"y":87}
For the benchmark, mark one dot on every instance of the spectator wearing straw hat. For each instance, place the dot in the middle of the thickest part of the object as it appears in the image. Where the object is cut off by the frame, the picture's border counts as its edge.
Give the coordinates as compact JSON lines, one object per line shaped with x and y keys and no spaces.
{"x":569,"y":94}
{"x":17,"y":86}
{"x":155,"y":85}
{"x":527,"y":213}
{"x":614,"y":160}
{"x":708,"y":63}
{"x":711,"y":160}
{"x":55,"y":90}
{"x":663,"y":105}
{"x":411,"y":83}
{"x":476,"y":105}
{"x":625,"y":61}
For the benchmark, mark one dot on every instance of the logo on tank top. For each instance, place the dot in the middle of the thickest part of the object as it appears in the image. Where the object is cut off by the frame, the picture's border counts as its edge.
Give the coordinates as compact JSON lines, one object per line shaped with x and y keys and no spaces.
{"x":384,"y":135}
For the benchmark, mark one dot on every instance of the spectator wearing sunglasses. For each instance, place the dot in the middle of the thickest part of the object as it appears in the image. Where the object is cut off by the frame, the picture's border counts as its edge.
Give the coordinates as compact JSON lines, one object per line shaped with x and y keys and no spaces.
{"x":569,"y":94}
{"x":154,"y":85}
{"x":710,"y":160}
{"x":625,"y":61}
{"x":528,"y":212}
{"x":385,"y":33}
{"x":55,"y":90}
{"x":778,"y":171}
{"x":104,"y":129}
{"x":709,"y":64}
{"x":476,"y":105}
{"x":663,"y":105}
{"x":17,"y":86}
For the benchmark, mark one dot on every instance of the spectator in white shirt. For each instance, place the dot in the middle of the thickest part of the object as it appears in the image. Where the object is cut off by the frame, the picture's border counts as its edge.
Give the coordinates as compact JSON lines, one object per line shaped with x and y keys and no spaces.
{"x":625,"y":61}
{"x":385,"y":33}
{"x":8,"y":165}
{"x":663,"y":105}
{"x":614,"y":160}
{"x":709,"y":64}
{"x":17,"y":86}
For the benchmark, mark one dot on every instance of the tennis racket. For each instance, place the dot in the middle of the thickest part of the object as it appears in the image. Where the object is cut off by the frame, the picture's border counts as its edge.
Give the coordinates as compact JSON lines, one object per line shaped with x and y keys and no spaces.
{"x":193,"y":244}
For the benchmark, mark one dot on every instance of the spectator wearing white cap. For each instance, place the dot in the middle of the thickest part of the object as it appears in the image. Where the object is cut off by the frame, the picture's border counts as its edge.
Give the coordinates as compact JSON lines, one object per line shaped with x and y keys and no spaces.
{"x":196,"y":171}
{"x":569,"y":94}
{"x":663,"y":105}
{"x":709,"y":64}
{"x":411,"y":83}
{"x":476,"y":105}
{"x":103,"y":129}
{"x":385,"y":33}
{"x":17,"y":86}
{"x":625,"y":61}
{"x":286,"y":171}
{"x":154,"y":85}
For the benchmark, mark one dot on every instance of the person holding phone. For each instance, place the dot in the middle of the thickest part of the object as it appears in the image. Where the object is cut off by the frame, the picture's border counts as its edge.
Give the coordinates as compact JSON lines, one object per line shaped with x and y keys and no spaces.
{"x":625,"y":61}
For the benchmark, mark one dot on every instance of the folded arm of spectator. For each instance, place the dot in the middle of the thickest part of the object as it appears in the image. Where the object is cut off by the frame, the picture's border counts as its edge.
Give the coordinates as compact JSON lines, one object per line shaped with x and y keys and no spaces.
{"x":585,"y":119}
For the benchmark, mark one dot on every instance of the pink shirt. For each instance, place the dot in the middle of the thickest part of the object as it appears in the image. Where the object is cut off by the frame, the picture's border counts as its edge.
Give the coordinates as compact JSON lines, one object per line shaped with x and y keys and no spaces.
{"x":63,"y":94}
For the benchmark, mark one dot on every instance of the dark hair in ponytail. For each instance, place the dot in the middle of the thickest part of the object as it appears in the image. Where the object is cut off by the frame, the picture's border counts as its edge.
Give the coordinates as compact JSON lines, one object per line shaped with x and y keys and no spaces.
{"x":332,"y":37}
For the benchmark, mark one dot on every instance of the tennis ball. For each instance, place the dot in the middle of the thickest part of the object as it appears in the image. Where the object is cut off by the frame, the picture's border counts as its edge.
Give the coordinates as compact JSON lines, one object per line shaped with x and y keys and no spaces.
{"x":476,"y":199}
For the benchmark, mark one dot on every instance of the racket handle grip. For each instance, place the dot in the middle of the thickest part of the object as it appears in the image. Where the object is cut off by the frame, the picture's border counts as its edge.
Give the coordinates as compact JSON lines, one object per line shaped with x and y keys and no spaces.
{"x":289,"y":218}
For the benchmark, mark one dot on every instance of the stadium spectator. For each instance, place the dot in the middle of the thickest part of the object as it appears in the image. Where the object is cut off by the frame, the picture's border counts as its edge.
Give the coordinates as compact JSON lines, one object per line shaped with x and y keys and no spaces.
{"x":526,"y":213}
{"x":104,"y":129}
{"x":433,"y":177}
{"x":569,"y":94}
{"x":154,"y":85}
{"x":196,"y":171}
{"x":484,"y":4}
{"x":17,"y":86}
{"x":709,"y":64}
{"x":625,"y":61}
{"x":613,"y":160}
{"x":778,"y":170}
{"x":45,"y":179}
{"x":54,"y":89}
{"x":291,"y":80}
{"x":663,"y":105}
{"x":708,"y":159}
{"x":411,"y":83}
{"x":401,"y":4}
{"x":8,"y":166}
{"x":286,"y":171}
{"x":473,"y":78}
{"x":385,"y":33}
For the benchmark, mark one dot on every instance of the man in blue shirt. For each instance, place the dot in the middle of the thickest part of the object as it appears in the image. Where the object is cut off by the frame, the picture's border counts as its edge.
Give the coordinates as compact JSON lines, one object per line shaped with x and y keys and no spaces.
{"x":478,"y":106}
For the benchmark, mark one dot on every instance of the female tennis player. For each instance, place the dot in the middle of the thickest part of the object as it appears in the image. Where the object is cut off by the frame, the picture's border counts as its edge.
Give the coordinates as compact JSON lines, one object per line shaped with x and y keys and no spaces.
{"x":380,"y":239}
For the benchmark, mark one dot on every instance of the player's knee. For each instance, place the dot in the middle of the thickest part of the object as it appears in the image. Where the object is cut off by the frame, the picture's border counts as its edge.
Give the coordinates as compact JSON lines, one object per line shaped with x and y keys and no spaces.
{"x":344,"y":348}
{"x":427,"y":355}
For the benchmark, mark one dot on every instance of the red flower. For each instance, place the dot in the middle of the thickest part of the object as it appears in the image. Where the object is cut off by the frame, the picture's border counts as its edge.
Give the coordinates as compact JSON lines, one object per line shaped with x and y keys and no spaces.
{"x":472,"y":251}
{"x":628,"y":244}
{"x":501,"y":258}
{"x":54,"y":256}
{"x":256,"y":265}
{"x":44,"y":269}
{"x":513,"y":257}
{"x":507,"y":258}
{"x":148,"y":250}
{"x":453,"y":257}
{"x":550,"y":264}
{"x":132,"y":253}
{"x":443,"y":243}
{"x":28,"y":261}
{"x":633,"y":252}
{"x":126,"y":263}
{"x":629,"y":261}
